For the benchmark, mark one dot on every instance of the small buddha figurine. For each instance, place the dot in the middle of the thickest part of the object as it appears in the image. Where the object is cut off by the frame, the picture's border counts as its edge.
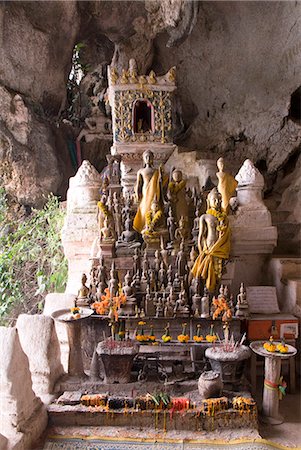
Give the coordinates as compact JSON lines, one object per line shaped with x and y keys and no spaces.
{"x":164,"y":253}
{"x":242,"y":307}
{"x":172,"y":297}
{"x":221,"y":292}
{"x":93,"y":281}
{"x":113,"y":282}
{"x":226,"y":184}
{"x":192,"y":257}
{"x":181,"y":261}
{"x":145,"y":265}
{"x":102,"y":211}
{"x":152,"y":281}
{"x":153,"y":220}
{"x":196,"y":300}
{"x":127,"y":288}
{"x":157,"y":261}
{"x":169,"y":274}
{"x":171,"y":226}
{"x":129,"y":292}
{"x":128,"y":237}
{"x":137,"y":261}
{"x":149,"y":304}
{"x":182,"y":232}
{"x":205,"y":311}
{"x":162,"y":275}
{"x":84,"y":290}
{"x":117,"y":219}
{"x":176,"y":283}
{"x":176,"y":194}
{"x":110,"y":202}
{"x":106,"y":233}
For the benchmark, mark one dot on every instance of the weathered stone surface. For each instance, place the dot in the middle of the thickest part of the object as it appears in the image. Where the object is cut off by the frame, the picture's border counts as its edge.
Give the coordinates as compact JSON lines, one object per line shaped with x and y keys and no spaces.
{"x":3,"y":442}
{"x":40,"y":343}
{"x":22,"y":415}
{"x":230,"y":79}
{"x":36,"y":46}
{"x":29,"y":166}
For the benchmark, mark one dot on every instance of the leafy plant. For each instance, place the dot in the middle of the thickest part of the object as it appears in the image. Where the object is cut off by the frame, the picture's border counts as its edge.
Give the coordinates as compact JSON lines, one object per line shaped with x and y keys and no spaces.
{"x":32,"y":262}
{"x":78,"y":70}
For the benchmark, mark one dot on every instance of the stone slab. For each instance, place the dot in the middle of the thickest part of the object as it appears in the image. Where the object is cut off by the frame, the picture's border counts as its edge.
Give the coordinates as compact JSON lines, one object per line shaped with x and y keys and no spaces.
{"x":190,"y":420}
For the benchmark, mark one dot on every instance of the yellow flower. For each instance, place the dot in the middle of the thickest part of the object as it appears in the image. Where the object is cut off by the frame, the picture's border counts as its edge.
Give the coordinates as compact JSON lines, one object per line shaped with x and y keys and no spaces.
{"x":166,"y":338}
{"x":184,"y":338}
{"x":141,"y":323}
{"x":74,"y":310}
{"x":211,"y":338}
{"x":282,"y":348}
{"x":198,"y":338}
{"x":152,"y":338}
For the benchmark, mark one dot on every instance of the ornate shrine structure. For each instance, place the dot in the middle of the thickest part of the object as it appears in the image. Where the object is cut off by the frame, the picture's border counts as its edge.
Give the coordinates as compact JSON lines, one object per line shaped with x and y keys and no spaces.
{"x":141,"y":117}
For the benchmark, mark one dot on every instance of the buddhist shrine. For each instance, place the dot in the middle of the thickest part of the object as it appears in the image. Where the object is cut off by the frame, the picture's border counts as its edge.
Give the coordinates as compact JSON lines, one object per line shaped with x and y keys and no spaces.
{"x":150,"y":265}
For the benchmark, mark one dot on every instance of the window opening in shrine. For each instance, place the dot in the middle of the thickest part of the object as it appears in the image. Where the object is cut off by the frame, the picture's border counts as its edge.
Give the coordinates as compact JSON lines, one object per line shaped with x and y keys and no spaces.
{"x":143,"y":116}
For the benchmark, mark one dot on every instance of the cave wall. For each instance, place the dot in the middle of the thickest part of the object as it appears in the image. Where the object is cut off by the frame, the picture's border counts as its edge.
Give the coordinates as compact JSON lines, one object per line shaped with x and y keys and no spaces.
{"x":237,"y":65}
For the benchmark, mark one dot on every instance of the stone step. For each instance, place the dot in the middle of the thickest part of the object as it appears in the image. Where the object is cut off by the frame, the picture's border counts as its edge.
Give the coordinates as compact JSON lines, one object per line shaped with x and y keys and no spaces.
{"x":159,"y":419}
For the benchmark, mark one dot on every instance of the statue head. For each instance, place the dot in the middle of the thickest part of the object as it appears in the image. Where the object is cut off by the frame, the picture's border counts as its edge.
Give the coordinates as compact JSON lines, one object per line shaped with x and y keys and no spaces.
{"x":214,"y":199}
{"x":148,"y":157}
{"x":177,"y":175}
{"x":84,"y":278}
{"x":154,"y":206}
{"x":220,"y":164}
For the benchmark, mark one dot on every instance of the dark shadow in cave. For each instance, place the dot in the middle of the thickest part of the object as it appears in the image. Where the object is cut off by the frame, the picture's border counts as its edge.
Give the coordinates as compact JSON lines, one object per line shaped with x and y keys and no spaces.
{"x":295,"y":108}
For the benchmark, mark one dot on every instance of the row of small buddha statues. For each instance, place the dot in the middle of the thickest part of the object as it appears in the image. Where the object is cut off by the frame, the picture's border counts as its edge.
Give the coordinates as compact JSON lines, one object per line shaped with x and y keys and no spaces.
{"x":157,"y":287}
{"x":164,"y":214}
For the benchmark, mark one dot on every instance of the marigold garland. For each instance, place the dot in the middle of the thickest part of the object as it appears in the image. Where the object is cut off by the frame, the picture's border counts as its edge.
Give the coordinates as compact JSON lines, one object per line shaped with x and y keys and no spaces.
{"x":104,"y":209}
{"x":174,"y":188}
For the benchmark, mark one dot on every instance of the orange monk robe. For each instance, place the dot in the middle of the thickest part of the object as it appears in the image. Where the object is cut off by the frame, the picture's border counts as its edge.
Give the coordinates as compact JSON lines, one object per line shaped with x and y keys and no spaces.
{"x":226,"y":187}
{"x":204,"y":264}
{"x":151,"y":192}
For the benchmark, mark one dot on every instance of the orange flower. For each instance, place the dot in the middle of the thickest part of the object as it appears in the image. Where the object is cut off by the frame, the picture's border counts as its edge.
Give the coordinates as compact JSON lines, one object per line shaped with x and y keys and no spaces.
{"x":184,"y":338}
{"x":198,"y":338}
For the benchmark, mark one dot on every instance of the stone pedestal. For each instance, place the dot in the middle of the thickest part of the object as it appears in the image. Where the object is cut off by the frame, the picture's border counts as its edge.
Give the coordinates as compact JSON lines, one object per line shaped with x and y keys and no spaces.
{"x":80,"y":228}
{"x":230,"y":364}
{"x":107,"y":249}
{"x":253,"y":236}
{"x":272,"y":370}
{"x":23,"y":416}
{"x":118,"y":361}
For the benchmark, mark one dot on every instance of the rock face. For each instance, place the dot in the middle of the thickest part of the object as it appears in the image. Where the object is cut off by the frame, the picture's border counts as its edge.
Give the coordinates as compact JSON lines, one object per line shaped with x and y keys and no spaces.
{"x":40,"y":343}
{"x":237,"y":68}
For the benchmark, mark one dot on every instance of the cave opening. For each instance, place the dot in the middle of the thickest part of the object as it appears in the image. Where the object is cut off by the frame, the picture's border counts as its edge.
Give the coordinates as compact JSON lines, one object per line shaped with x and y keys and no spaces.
{"x":143,"y":116}
{"x":295,"y":107}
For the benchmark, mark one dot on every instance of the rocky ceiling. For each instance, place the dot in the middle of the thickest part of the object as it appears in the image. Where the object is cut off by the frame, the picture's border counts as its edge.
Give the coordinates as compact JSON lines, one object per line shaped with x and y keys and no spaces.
{"x":238,"y":65}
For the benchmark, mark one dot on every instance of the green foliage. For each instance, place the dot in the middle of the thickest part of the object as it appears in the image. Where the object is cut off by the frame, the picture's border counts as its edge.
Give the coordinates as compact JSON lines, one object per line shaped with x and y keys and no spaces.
{"x":78,"y":70}
{"x":32,"y":262}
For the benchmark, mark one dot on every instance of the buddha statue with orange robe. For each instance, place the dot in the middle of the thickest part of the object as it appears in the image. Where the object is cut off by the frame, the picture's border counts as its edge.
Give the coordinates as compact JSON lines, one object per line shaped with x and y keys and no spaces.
{"x":213,"y":242}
